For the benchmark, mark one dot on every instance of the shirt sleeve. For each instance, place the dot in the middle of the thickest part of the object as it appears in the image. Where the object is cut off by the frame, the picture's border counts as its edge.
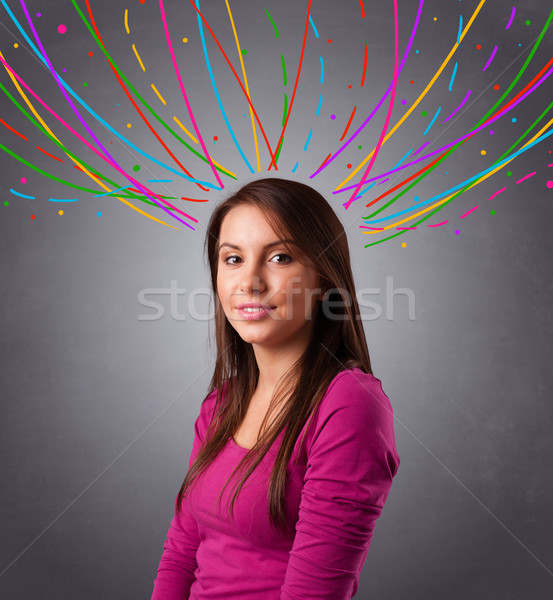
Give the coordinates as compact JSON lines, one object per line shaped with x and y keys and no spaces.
{"x":175,"y":573}
{"x":351,"y":461}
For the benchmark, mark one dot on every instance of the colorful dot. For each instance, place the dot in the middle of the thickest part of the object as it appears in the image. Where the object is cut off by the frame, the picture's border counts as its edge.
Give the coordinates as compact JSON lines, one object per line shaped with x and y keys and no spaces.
{"x":129,"y":125}
{"x":491,"y":131}
{"x":33,"y":217}
{"x":244,"y":51}
{"x":215,"y":138}
{"x":404,"y":245}
{"x":6,"y":203}
{"x":447,"y":172}
{"x":60,"y":212}
{"x":514,"y":120}
{"x":185,"y":40}
{"x":404,"y":101}
{"x":411,"y":82}
{"x":435,"y":18}
{"x":416,"y":199}
{"x":509,"y":173}
{"x":423,"y":113}
{"x":478,"y":47}
{"x":64,"y":70}
{"x":416,"y":51}
{"x":23,"y":180}
{"x":330,"y":41}
{"x":349,"y":87}
{"x":492,"y":212}
{"x":142,"y":1}
{"x":99,"y":214}
{"x":333,"y":117}
{"x":62,"y":28}
{"x":349,"y":165}
{"x":483,"y":152}
{"x":457,"y":232}
{"x":91,"y":53}
{"x":527,"y":22}
{"x":361,"y":147}
{"x":496,"y":86}
{"x":85,"y":84}
{"x":136,"y":168}
{"x":16,"y":45}
{"x":549,"y":184}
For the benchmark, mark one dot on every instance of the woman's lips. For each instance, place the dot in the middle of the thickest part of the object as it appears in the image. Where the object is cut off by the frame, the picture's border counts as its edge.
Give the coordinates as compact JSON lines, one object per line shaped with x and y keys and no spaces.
{"x":254,"y":315}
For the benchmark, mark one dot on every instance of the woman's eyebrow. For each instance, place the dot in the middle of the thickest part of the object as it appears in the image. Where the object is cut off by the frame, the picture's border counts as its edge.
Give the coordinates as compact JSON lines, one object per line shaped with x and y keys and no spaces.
{"x":266,"y":245}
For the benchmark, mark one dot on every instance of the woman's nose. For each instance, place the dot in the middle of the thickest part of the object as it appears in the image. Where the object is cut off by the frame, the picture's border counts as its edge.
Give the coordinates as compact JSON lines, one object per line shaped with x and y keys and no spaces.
{"x":252,"y":280}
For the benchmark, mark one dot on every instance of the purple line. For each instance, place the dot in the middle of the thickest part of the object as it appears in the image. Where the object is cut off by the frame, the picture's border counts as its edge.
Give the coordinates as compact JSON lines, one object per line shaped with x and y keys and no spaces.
{"x":369,"y":118}
{"x":420,"y":149}
{"x":459,"y":107}
{"x":512,"y":17}
{"x":490,"y":59}
{"x":500,"y":114}
{"x":110,"y":158}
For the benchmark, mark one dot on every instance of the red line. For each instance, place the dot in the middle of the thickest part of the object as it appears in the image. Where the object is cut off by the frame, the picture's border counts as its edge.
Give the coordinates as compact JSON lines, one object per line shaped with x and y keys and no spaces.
{"x":134,"y":103}
{"x":12,"y":129}
{"x":347,"y":126}
{"x":325,"y":160}
{"x":48,"y":154}
{"x":364,"y":66}
{"x":362,"y":9}
{"x":295,"y":86}
{"x":237,"y":78}
{"x":194,"y":199}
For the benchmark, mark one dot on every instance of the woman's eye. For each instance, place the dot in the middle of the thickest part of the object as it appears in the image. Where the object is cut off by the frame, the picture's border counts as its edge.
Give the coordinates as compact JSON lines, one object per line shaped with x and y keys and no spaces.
{"x":281,"y":254}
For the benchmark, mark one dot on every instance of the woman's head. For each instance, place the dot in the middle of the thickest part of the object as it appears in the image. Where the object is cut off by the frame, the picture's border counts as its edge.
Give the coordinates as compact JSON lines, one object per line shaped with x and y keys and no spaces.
{"x":293,"y":276}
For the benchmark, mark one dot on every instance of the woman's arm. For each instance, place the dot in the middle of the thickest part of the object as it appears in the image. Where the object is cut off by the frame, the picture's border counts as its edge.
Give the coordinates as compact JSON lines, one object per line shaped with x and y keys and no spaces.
{"x":175,"y":573}
{"x":350,"y":466}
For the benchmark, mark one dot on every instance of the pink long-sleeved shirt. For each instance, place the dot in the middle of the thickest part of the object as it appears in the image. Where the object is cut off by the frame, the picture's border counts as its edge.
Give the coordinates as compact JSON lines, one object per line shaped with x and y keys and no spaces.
{"x":334,"y":494}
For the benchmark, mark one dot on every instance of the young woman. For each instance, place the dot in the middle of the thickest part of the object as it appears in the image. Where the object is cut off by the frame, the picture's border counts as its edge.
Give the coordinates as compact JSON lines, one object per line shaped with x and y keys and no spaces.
{"x":296,"y":432}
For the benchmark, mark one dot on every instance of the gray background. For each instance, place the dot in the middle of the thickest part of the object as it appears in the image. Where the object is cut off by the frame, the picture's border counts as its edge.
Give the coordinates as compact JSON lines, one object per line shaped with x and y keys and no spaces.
{"x":98,"y":405}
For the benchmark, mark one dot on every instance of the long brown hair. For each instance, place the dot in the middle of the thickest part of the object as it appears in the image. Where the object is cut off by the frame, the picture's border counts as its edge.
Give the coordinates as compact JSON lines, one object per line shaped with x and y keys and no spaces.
{"x":297,"y":211}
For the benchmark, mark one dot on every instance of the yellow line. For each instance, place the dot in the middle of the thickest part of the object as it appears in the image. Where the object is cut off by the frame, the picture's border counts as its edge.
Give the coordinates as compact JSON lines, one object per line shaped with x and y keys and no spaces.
{"x":127,"y":20}
{"x":417,"y":101}
{"x":95,"y":179}
{"x":138,"y":57}
{"x":196,"y":141}
{"x":159,"y":95}
{"x":246,"y":84}
{"x":475,"y":183}
{"x":185,"y":130}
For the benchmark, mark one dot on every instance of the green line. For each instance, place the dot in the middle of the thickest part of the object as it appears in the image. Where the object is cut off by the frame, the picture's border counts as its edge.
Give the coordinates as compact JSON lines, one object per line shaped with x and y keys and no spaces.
{"x":451,"y":150}
{"x":133,"y":89}
{"x":283,"y":70}
{"x":285,"y":109}
{"x":271,"y":19}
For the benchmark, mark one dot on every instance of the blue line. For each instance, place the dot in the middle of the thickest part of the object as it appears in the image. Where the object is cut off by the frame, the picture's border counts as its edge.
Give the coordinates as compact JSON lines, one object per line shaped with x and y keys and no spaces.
{"x":432,"y":122}
{"x":453,"y":76}
{"x":322,"y":70}
{"x":208,"y":64}
{"x":112,"y":192}
{"x":460,"y":28}
{"x":63,"y":199}
{"x":160,"y":180}
{"x":22,"y":195}
{"x":295,"y":167}
{"x":467,"y":181}
{"x":96,"y":115}
{"x":396,"y":166}
{"x":320,"y":104}
{"x":308,"y":139}
{"x":314,"y":28}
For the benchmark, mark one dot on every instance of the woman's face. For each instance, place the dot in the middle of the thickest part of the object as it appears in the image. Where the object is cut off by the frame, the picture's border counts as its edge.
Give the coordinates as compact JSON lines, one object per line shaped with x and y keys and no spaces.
{"x":261,"y":271}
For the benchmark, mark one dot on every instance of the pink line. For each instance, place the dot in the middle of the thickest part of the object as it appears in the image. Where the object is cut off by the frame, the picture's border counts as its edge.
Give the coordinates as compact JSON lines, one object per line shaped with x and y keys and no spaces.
{"x":498,"y":192}
{"x":459,"y":107}
{"x":512,"y":17}
{"x":373,"y":228}
{"x":468,"y":212}
{"x":189,"y":108}
{"x":551,"y":165}
{"x":390,"y":108}
{"x":114,"y":165}
{"x":490,"y":59}
{"x":526,"y":177}
{"x":438,"y":224}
